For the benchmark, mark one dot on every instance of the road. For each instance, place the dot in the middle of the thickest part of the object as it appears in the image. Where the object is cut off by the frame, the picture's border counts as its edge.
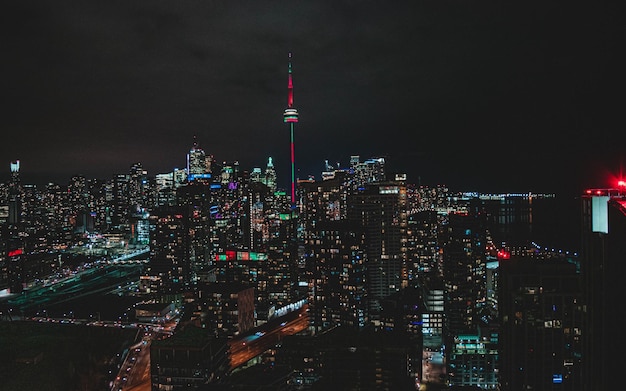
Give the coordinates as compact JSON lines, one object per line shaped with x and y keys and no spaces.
{"x":134,"y":372}
{"x":244,"y":348}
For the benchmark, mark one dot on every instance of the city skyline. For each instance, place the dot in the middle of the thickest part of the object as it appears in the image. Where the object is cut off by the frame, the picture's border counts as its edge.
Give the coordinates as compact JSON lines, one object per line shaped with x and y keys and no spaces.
{"x":486,"y":97}
{"x":494,"y":274}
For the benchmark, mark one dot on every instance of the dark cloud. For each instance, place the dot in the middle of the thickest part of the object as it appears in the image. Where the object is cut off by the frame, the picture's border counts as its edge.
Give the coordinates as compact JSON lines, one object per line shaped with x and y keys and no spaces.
{"x":473,"y":94}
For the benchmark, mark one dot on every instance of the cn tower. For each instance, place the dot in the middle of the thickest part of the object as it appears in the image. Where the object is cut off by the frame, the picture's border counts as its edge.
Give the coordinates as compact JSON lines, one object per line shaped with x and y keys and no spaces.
{"x":291,"y":117}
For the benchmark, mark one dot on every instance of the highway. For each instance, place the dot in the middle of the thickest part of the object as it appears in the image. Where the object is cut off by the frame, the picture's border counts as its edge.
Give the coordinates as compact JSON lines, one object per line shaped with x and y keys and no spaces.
{"x":134,"y":372}
{"x":254,"y":343}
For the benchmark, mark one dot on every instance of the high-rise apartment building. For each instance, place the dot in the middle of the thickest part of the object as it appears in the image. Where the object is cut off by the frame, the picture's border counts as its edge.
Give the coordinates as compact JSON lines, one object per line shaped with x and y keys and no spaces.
{"x":15,"y":191}
{"x":423,"y":253}
{"x":603,"y":252}
{"x":464,"y":240}
{"x":138,"y":190}
{"x":335,"y":256}
{"x":226,"y":309}
{"x":12,"y":233}
{"x":433,"y":369}
{"x":119,"y":203}
{"x":464,"y":271}
{"x":542,"y":330}
{"x":79,"y":199}
{"x":379,"y":209}
{"x":169,"y":268}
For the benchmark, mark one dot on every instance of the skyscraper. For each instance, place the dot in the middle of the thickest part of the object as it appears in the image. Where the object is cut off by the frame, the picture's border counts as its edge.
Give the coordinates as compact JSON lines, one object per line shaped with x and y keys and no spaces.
{"x":603,"y":251}
{"x":169,"y":268}
{"x":197,"y":163}
{"x":270,"y":175}
{"x":14,"y":241}
{"x":541,"y":332}
{"x":137,"y":189}
{"x":334,"y":255}
{"x":464,"y":268}
{"x":15,"y":204}
{"x":380,"y":210}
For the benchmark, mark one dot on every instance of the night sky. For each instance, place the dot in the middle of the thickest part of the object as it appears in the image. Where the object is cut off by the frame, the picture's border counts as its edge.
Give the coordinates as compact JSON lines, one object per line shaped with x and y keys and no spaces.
{"x":478,"y":95}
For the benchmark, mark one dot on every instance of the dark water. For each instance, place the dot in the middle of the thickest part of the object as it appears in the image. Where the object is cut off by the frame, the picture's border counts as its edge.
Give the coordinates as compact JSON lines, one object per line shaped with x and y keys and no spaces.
{"x":552,"y":223}
{"x":557,"y":223}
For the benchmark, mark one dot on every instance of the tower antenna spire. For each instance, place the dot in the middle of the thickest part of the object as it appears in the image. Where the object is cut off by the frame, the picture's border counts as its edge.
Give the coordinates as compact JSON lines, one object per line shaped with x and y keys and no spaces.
{"x":290,"y":86}
{"x":291,"y":117}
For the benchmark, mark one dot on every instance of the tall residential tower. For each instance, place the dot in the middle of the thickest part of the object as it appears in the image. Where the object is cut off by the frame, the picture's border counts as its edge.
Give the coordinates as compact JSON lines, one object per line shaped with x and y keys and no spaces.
{"x":603,"y":251}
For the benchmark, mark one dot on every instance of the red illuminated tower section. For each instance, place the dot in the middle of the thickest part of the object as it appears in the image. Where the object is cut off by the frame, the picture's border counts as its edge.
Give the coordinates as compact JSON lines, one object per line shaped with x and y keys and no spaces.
{"x":291,"y":117}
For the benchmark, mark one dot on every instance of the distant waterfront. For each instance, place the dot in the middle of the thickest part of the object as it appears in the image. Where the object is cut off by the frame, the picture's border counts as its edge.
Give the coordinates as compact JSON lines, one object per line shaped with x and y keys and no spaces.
{"x":552,"y":223}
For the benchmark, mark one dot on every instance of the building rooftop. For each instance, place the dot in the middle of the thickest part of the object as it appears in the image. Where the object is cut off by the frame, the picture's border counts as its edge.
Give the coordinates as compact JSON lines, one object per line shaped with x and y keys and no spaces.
{"x":152,"y":306}
{"x":188,"y":337}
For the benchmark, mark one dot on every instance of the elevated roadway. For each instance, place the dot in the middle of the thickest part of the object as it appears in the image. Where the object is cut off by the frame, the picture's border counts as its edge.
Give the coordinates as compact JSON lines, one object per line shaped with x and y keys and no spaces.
{"x":244,"y":348}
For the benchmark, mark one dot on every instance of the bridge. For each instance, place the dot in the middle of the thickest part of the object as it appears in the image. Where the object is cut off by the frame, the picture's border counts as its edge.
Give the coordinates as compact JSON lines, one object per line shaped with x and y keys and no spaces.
{"x":255,"y":342}
{"x":129,"y":257}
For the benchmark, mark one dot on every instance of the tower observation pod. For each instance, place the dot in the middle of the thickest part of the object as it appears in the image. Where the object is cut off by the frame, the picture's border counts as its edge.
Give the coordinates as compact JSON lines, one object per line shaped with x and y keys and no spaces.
{"x":291,"y":117}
